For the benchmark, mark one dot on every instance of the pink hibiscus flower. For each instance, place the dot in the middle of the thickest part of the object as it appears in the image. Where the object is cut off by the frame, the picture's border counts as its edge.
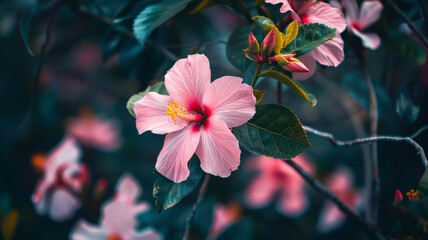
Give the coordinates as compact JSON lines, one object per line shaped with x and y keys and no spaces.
{"x":359,"y":19}
{"x":329,"y":53}
{"x":118,"y":216}
{"x":57,"y":193}
{"x":224,"y":216}
{"x":94,"y":131}
{"x":197,"y":116}
{"x":277,"y":178}
{"x":341,"y":184}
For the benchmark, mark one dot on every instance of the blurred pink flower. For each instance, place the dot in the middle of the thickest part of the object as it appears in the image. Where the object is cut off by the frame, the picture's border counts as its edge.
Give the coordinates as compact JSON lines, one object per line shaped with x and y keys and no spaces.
{"x":224,"y":216}
{"x":398,"y":196}
{"x":197,"y":116}
{"x":359,"y":19}
{"x":329,"y":53}
{"x":341,"y":183}
{"x":94,"y":131}
{"x":57,"y":193}
{"x":118,"y":218}
{"x":276,"y":177}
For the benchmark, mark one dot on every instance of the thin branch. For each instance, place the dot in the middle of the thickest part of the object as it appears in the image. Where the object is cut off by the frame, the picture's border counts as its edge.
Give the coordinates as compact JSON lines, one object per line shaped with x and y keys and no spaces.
{"x":369,"y":140}
{"x":195,"y":206}
{"x":423,"y":10}
{"x":373,"y":118}
{"x":256,"y":74}
{"x":409,"y":22}
{"x":414,"y":135}
{"x":370,"y":231}
{"x":38,"y":71}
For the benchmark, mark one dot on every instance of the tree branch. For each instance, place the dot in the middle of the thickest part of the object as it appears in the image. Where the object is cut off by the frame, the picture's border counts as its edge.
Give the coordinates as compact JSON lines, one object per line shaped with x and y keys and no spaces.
{"x":38,"y":71}
{"x":409,"y":22}
{"x":195,"y":206}
{"x":370,"y":231}
{"x":359,"y":141}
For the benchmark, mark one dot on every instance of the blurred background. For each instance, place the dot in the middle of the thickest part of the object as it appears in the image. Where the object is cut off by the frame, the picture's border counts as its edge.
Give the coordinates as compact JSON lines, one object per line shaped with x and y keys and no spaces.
{"x":90,"y":68}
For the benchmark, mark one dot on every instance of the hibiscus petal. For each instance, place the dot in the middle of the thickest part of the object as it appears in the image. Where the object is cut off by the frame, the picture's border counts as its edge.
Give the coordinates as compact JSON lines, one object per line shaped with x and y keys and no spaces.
{"x":330,"y":218}
{"x":351,"y":9}
{"x":150,"y":113}
{"x":331,"y":52}
{"x":324,"y":13}
{"x":118,"y":216}
{"x":67,"y":151}
{"x":63,"y":205}
{"x":86,"y":231}
{"x":188,"y":79}
{"x":177,"y":150}
{"x":219,"y":149}
{"x":285,"y":5}
{"x":293,"y":201}
{"x":260,"y":191}
{"x":310,"y":63}
{"x":369,"y":40}
{"x":127,"y":188}
{"x":147,"y":234}
{"x":230,"y":100}
{"x":370,"y":13}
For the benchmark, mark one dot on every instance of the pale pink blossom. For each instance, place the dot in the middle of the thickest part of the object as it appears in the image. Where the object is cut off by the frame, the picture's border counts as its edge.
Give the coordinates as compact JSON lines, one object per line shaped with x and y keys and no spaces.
{"x":360,"y":19}
{"x":224,"y":216}
{"x":197,"y":117}
{"x":95,"y":131}
{"x":57,"y":194}
{"x":118,"y":218}
{"x":276,"y":178}
{"x":341,"y":183}
{"x":329,"y":53}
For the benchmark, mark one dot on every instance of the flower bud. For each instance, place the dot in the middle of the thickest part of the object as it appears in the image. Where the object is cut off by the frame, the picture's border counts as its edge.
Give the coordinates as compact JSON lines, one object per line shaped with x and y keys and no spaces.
{"x":268,"y":44}
{"x":253,"y":44}
{"x":289,"y":63}
{"x":398,"y":196}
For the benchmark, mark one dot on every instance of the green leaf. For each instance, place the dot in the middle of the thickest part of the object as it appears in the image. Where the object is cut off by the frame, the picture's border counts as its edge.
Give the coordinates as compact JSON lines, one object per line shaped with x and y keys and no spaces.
{"x":267,"y":25}
{"x":423,"y":185}
{"x":309,"y":37}
{"x":238,"y":41}
{"x":291,"y":33}
{"x":154,"y":15}
{"x":413,"y":208}
{"x":168,"y":194}
{"x":25,"y":24}
{"x":157,"y":87}
{"x":274,"y":131}
{"x":259,"y":95}
{"x":291,"y":84}
{"x":405,"y":46}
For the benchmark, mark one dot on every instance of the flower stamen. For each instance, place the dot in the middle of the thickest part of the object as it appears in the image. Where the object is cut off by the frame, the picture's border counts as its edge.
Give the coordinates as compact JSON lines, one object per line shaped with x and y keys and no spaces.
{"x":413,"y":195}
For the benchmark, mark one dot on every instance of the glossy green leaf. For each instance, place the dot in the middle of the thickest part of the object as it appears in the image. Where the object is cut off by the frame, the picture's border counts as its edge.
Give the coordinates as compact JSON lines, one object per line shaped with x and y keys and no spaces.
{"x":168,"y":194}
{"x":267,"y":25}
{"x":259,"y":95}
{"x":25,"y":24}
{"x":238,"y":41}
{"x":291,"y":84}
{"x":274,"y":131}
{"x":157,"y":87}
{"x":423,"y":185}
{"x":309,"y":37}
{"x":155,"y":15}
{"x":405,"y":46}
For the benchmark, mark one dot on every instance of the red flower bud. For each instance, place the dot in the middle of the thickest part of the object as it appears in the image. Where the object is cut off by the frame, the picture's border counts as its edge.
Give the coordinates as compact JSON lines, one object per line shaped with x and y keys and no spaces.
{"x":398,"y":196}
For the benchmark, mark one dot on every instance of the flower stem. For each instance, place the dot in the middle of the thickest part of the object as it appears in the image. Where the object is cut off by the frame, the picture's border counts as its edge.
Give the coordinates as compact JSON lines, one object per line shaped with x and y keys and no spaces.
{"x":259,"y":66}
{"x":195,"y":206}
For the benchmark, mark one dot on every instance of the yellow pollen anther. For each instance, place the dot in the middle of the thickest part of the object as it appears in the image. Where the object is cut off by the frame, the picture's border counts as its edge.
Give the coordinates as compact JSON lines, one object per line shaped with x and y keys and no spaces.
{"x":175,"y":111}
{"x":413,"y":195}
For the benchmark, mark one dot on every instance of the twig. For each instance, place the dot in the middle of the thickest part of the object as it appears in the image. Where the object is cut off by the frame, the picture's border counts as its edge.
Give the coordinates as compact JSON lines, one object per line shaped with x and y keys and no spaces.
{"x":409,"y":22}
{"x":38,"y":71}
{"x":359,"y":141}
{"x":256,"y":74}
{"x":414,"y":135}
{"x":373,"y":118}
{"x":195,"y":206}
{"x":370,"y":231}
